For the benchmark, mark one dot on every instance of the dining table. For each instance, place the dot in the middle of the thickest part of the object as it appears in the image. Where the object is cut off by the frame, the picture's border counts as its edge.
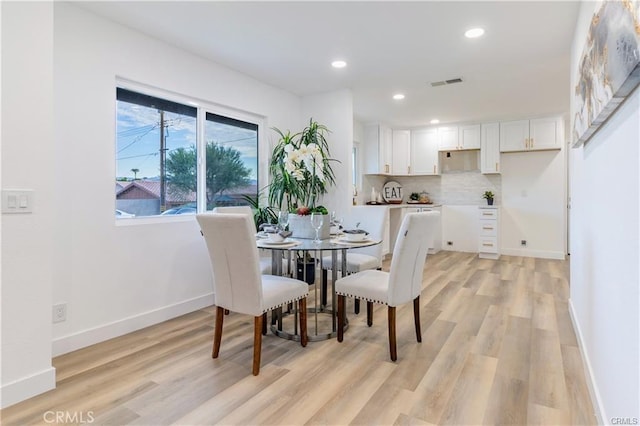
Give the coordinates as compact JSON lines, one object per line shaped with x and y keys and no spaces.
{"x":285,"y":253}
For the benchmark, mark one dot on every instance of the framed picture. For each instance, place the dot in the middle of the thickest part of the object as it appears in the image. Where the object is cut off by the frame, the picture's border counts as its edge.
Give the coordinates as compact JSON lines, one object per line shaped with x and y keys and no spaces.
{"x":609,"y":68}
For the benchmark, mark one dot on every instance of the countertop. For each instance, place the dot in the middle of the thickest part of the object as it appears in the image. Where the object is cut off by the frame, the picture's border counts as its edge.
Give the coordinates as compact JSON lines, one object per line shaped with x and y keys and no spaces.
{"x":404,"y":205}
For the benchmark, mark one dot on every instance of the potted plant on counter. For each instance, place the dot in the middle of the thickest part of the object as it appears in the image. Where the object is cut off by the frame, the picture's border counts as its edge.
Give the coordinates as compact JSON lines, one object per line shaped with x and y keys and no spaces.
{"x":488,"y":195}
{"x":301,"y":173}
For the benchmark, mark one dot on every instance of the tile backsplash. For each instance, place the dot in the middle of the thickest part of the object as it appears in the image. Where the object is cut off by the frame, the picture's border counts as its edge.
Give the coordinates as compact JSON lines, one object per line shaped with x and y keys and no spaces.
{"x":454,"y":188}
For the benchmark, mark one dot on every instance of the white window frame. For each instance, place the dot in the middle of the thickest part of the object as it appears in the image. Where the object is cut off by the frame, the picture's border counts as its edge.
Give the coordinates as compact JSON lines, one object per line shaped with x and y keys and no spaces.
{"x":202,"y":108}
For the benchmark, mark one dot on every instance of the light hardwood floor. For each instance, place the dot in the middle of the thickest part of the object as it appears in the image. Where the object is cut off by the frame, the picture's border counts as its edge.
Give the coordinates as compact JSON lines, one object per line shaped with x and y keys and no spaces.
{"x":497,"y":347}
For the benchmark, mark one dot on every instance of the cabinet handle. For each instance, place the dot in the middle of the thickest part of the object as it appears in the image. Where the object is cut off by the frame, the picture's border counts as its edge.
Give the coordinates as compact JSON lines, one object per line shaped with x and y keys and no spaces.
{"x":488,"y":228}
{"x":386,"y":168}
{"x":487,"y":244}
{"x":487,"y":214}
{"x":408,"y":170}
{"x":496,"y":166}
{"x":434,"y":169}
{"x":526,"y":143}
{"x":531,"y":145}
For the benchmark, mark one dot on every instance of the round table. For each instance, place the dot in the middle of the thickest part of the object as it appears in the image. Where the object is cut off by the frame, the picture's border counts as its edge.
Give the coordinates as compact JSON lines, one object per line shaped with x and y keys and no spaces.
{"x":310,"y":248}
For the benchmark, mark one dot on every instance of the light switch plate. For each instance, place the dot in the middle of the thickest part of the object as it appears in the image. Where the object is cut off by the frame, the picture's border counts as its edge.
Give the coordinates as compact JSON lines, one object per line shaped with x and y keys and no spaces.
{"x":17,"y":201}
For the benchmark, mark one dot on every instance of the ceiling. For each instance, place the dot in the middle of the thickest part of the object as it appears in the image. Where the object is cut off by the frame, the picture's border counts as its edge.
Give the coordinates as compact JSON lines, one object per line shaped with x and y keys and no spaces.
{"x":519,"y":68}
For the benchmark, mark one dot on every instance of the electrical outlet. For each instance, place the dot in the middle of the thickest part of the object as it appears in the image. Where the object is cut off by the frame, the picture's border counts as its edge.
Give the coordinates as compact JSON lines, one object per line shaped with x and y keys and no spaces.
{"x":60,"y":312}
{"x":449,"y":243}
{"x":523,"y":243}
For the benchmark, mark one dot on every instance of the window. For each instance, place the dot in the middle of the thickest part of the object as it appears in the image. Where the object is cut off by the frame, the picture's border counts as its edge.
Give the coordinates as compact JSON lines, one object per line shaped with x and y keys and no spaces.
{"x":232,"y":160}
{"x":157,"y":152}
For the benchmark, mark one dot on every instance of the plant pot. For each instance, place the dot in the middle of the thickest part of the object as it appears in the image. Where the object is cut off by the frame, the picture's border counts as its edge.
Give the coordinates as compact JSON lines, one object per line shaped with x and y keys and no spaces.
{"x":310,"y":267}
{"x":490,"y":201}
{"x":300,"y":227}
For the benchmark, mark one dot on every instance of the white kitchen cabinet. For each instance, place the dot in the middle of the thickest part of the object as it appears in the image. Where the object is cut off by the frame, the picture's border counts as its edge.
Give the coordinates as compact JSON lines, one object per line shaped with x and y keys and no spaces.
{"x":469,"y":137}
{"x":488,"y":231}
{"x":448,"y":138}
{"x":378,"y":149}
{"x":531,"y":135}
{"x":490,"y":148}
{"x":400,"y":155}
{"x":460,"y":228}
{"x":424,"y":152}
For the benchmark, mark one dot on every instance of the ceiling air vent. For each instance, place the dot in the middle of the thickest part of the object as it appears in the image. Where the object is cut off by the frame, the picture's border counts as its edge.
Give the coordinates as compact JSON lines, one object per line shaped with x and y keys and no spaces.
{"x":446,"y":82}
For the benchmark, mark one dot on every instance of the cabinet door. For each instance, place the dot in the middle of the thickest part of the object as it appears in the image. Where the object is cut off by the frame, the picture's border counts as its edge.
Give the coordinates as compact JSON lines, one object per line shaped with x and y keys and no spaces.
{"x":545,"y":133}
{"x":424,"y":152}
{"x":400,"y":152}
{"x":490,"y":148}
{"x":385,"y":143}
{"x":514,"y":135}
{"x":447,"y":138}
{"x":469,"y":137}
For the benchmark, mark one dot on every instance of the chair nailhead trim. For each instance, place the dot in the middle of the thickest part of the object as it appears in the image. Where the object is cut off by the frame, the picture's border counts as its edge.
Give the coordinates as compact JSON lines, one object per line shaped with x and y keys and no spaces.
{"x":361,"y":298}
{"x":282,"y":304}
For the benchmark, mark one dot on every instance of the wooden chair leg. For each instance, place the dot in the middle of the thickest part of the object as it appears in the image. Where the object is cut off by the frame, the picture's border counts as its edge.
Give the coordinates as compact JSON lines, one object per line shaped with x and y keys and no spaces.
{"x":302,"y":306}
{"x":416,"y":318}
{"x":392,"y":333}
{"x":217,"y":334}
{"x":264,"y":324}
{"x":341,"y":314}
{"x":356,"y":306}
{"x":257,"y":344}
{"x":369,"y":314}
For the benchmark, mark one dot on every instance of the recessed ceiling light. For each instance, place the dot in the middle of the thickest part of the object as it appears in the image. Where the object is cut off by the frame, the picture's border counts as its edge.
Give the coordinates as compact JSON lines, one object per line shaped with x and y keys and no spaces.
{"x":398,"y":96}
{"x":474,"y":32}
{"x":338,"y":64}
{"x":435,"y":121}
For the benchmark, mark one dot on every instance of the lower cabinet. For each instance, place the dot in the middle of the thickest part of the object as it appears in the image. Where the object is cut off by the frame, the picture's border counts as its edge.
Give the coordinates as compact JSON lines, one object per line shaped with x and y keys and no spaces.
{"x":488,"y":226}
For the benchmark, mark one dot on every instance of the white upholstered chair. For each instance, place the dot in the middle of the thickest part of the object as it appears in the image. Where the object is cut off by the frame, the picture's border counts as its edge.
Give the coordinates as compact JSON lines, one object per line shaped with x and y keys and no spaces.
{"x":402,"y":284}
{"x":234,"y":209}
{"x":265,"y":263}
{"x":371,"y":219}
{"x":237,"y":282}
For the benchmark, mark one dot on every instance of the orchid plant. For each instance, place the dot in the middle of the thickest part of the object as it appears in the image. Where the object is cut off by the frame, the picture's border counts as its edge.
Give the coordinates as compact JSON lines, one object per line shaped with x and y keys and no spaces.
{"x":300,"y":169}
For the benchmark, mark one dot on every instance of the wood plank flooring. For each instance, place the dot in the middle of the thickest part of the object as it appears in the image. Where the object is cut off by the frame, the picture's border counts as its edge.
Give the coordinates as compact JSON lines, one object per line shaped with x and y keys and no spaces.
{"x":498,"y":347}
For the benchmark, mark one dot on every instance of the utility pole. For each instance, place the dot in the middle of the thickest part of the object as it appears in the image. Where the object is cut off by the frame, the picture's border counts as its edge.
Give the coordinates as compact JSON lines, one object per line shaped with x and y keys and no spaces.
{"x":163,"y":160}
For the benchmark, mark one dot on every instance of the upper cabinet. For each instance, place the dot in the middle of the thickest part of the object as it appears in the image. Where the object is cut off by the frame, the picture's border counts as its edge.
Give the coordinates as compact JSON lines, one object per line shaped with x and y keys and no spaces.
{"x":424,"y":152}
{"x":447,"y":138}
{"x":452,"y":138}
{"x":378,"y":149}
{"x":469,"y":137}
{"x":490,"y":148}
{"x":400,"y":152}
{"x":531,"y":135}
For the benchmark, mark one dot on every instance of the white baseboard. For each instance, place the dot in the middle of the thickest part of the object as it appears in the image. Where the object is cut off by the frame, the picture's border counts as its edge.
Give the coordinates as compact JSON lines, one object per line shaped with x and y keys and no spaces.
{"x":27,"y":387}
{"x":596,"y":401}
{"x":82,"y":339}
{"x":542,"y":254}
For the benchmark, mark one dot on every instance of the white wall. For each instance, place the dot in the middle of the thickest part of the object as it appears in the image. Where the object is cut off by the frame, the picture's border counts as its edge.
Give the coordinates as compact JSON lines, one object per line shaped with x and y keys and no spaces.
{"x":533,"y":204}
{"x":119,"y":278}
{"x":605,"y":256}
{"x":335,"y":110}
{"x":59,"y":139}
{"x":27,"y":149}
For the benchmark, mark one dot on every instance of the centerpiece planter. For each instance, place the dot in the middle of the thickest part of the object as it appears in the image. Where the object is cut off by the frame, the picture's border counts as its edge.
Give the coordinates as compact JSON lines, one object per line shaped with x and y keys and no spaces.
{"x":300,"y":226}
